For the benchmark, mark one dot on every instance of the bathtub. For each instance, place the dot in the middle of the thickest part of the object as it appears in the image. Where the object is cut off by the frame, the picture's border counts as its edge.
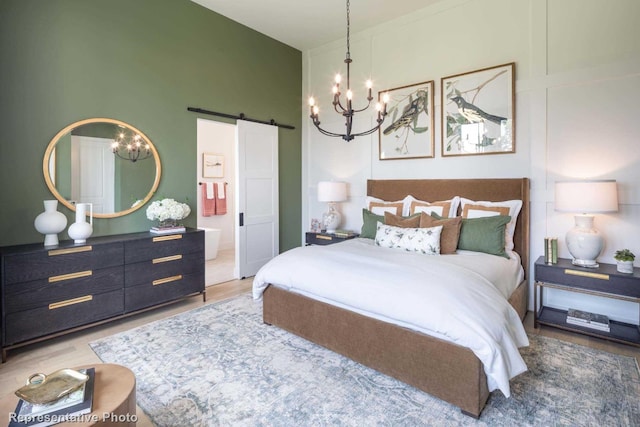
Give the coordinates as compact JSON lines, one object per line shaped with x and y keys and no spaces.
{"x":211,"y":241}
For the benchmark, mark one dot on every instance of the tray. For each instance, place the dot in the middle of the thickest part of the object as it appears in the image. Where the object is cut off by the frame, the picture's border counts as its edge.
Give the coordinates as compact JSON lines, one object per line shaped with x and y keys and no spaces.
{"x":42,"y":389}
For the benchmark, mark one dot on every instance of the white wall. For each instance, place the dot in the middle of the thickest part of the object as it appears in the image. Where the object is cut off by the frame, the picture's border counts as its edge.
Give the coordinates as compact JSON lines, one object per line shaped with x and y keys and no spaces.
{"x":577,"y":91}
{"x":218,"y":138}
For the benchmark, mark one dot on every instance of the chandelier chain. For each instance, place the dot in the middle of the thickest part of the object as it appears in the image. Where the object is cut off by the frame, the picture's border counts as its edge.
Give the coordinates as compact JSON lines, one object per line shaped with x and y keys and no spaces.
{"x":348,"y":29}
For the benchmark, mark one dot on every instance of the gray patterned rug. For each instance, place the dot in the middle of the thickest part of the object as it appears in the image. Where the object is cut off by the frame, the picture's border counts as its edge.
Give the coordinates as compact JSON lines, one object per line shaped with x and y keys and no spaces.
{"x":220,"y":365}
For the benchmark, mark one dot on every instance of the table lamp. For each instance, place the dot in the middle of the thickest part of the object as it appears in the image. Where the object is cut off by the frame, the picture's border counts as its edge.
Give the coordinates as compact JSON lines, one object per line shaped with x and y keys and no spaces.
{"x":583,"y":198}
{"x":331,"y":192}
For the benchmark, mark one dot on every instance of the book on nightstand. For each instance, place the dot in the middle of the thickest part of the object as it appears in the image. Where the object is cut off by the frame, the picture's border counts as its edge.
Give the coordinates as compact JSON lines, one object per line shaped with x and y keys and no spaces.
{"x":588,"y":320}
{"x":345,"y":233}
{"x":67,"y":408}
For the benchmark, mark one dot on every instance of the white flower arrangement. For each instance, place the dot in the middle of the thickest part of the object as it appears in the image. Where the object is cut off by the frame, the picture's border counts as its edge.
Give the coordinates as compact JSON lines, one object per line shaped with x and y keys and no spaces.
{"x":167,"y":209}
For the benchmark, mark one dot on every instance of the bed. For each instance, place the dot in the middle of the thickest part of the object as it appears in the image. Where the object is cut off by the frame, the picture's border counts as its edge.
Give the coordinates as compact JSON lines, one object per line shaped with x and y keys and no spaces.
{"x":442,"y":368}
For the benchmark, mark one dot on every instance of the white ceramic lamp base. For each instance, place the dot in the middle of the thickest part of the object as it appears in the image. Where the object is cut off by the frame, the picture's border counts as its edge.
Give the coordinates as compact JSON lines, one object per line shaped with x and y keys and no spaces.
{"x":584,"y":242}
{"x":331,"y":219}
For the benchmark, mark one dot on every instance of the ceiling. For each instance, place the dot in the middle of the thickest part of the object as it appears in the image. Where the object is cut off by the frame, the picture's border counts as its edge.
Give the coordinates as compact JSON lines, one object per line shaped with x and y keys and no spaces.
{"x":305,"y":24}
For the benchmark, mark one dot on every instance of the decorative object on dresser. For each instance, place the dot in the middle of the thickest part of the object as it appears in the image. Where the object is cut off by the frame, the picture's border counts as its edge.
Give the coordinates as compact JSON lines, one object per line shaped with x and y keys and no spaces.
{"x":585,"y":197}
{"x":331,"y":192}
{"x":604,"y":281}
{"x":168,"y":212}
{"x":51,"y":291}
{"x":50,"y":222}
{"x":81,"y":229}
{"x":624,"y":260}
{"x":550,"y":250}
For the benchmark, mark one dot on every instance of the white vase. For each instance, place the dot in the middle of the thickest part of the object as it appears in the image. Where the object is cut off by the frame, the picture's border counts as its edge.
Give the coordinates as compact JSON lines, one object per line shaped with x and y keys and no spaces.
{"x":81,"y":229}
{"x":625,"y":266}
{"x":50,"y":222}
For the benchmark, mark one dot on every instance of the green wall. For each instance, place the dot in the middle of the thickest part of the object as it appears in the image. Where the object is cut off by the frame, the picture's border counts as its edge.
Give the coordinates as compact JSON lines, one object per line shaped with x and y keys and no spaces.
{"x":143,"y":62}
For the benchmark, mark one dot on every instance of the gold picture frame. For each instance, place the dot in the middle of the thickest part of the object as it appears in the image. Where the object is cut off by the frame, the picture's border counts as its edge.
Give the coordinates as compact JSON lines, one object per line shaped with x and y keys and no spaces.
{"x":478,"y":112}
{"x":212,"y":165}
{"x":408,"y":131}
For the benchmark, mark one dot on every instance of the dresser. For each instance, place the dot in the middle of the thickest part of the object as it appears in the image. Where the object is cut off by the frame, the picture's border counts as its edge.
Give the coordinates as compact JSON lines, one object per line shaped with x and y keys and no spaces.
{"x":49,"y":291}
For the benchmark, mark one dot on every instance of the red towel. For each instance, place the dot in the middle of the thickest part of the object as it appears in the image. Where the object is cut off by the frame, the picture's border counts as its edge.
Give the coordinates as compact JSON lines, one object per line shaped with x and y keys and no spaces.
{"x":208,"y":205}
{"x":221,"y":198}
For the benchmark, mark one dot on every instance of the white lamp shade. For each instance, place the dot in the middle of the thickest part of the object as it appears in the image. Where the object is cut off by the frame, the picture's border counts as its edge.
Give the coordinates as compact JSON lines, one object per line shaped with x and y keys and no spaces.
{"x":586,"y":196}
{"x":332,"y":191}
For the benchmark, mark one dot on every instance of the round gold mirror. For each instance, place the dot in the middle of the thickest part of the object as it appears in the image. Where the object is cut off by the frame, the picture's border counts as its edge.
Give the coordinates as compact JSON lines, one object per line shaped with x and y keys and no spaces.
{"x":106,"y":162}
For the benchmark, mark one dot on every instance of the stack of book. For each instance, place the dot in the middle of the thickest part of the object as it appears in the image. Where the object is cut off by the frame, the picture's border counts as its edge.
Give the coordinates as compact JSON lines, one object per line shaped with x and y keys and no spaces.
{"x":69,"y":408}
{"x":588,"y":320}
{"x":345,"y":233}
{"x":168,"y":230}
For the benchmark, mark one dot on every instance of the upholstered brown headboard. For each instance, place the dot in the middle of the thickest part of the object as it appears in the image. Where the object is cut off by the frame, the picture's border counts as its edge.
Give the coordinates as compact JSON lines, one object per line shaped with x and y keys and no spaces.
{"x":493,"y":190}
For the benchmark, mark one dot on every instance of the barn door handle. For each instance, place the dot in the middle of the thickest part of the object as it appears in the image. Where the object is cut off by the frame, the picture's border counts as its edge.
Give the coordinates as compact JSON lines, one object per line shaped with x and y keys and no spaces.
{"x":241,"y":219}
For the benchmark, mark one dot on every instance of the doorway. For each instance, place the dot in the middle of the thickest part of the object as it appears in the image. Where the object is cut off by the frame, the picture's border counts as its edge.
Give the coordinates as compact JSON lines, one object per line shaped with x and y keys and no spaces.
{"x":240,"y":163}
{"x":217,"y":147}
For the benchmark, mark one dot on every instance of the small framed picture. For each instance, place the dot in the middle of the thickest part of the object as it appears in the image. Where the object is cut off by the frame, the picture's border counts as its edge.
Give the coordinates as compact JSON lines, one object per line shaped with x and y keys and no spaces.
{"x":478,"y":112}
{"x":212,"y":165}
{"x":315,"y":225}
{"x":407,"y":132}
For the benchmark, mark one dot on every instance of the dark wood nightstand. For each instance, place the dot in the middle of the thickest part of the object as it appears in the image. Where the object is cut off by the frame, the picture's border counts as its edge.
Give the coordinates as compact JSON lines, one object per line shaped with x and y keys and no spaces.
{"x":313,"y":238}
{"x":604,"y":281}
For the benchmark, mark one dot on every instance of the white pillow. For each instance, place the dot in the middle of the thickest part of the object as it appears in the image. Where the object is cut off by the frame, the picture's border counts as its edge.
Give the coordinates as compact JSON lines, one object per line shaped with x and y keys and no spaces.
{"x":422,"y":240}
{"x":479,"y":209}
{"x":379,"y":206}
{"x":444,"y":208}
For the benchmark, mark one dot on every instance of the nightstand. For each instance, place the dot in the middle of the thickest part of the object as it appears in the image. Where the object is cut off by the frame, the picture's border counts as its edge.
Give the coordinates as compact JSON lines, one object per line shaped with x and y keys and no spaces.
{"x":604,"y":281}
{"x":313,"y":238}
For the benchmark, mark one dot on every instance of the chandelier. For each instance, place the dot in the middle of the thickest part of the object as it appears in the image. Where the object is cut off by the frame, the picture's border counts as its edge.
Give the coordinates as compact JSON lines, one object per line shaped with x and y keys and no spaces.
{"x":131,"y":147}
{"x":345,"y":106}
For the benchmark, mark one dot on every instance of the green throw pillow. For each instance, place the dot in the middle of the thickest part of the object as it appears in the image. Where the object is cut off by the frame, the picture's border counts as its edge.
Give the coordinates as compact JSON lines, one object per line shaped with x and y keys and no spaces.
{"x":369,"y":224}
{"x":483,"y":234}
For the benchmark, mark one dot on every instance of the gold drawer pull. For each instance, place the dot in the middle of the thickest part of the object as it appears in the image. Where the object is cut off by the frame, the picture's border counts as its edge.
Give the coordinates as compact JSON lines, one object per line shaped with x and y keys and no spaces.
{"x":166,"y":259}
{"x":168,"y":237}
{"x":72,"y":301}
{"x":318,"y":236}
{"x":167,"y":280}
{"x":70,"y":276}
{"x":66,"y":251}
{"x":587,"y":274}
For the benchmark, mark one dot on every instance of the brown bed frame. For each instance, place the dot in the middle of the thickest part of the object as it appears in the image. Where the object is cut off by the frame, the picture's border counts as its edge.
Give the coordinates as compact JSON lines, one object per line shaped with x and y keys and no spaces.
{"x":440,"y":368}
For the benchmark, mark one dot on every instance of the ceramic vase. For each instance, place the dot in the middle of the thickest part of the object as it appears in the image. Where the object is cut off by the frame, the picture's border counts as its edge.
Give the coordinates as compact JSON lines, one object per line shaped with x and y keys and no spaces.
{"x":81,"y":229}
{"x":50,"y":222}
{"x":625,"y":266}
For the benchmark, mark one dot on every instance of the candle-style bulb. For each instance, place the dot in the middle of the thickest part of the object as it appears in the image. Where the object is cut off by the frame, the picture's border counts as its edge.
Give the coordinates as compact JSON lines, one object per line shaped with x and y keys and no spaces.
{"x":312,"y":101}
{"x":369,"y":84}
{"x":349,"y":95}
{"x":338,"y":78}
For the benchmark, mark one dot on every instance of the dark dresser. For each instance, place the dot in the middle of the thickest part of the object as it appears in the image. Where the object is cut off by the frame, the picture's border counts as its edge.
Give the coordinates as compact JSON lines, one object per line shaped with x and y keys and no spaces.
{"x":50,"y":291}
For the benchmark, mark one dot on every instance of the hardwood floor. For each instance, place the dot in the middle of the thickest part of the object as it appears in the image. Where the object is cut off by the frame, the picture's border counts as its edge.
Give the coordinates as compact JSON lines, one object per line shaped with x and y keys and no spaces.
{"x":73,"y":350}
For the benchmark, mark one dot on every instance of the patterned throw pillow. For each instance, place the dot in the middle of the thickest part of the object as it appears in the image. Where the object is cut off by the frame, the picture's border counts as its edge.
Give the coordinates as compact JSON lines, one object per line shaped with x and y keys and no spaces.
{"x":422,"y":240}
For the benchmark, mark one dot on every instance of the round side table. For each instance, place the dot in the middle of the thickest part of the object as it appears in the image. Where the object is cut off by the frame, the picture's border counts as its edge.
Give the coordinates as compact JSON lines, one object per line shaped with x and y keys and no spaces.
{"x":114,"y":398}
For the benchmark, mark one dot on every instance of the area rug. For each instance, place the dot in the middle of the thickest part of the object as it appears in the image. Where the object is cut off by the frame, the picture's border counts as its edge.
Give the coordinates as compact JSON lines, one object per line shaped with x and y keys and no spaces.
{"x":219,"y":365}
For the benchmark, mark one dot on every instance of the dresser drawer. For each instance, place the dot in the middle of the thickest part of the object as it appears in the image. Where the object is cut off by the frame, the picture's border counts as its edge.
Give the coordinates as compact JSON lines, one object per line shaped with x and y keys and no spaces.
{"x":26,"y":267}
{"x":162,"y":246}
{"x":148,"y":294}
{"x":158,"y":268}
{"x":29,"y":324}
{"x":40,"y":293}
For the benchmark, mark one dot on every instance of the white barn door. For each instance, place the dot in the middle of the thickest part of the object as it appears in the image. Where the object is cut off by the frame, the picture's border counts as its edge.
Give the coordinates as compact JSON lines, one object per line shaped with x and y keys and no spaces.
{"x":257,"y":196}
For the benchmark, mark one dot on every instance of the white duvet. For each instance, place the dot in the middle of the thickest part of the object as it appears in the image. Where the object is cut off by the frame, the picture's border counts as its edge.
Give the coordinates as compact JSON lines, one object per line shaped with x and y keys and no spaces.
{"x":447,"y":296}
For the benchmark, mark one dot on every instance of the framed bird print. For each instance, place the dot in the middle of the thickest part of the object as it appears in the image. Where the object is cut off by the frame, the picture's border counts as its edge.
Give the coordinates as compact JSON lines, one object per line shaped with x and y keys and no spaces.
{"x":407,"y":132}
{"x":478,"y":112}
